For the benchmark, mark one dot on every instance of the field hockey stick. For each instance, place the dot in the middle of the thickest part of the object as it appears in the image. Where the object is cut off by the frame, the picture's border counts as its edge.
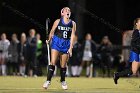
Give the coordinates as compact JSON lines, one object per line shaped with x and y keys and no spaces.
{"x":47,"y":35}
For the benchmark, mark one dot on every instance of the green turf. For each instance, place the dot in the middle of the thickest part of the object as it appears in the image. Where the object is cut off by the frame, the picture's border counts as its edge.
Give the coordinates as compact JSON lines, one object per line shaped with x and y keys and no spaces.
{"x":76,"y":85}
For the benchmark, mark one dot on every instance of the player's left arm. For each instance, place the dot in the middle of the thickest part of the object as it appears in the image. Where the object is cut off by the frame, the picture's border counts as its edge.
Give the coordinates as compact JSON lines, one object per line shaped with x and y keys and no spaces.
{"x":72,"y":37}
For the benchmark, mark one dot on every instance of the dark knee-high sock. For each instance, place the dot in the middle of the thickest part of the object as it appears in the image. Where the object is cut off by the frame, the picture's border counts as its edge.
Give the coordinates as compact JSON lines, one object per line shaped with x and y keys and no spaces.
{"x":127,"y":72}
{"x":63,"y":74}
{"x":51,"y":69}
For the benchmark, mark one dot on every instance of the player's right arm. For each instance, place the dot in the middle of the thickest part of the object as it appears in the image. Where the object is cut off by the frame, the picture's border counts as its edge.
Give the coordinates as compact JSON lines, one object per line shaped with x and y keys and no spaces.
{"x":55,"y":24}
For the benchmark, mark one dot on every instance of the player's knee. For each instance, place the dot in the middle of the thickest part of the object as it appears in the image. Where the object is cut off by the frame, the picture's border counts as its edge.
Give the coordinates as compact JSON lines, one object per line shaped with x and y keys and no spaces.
{"x":63,"y":65}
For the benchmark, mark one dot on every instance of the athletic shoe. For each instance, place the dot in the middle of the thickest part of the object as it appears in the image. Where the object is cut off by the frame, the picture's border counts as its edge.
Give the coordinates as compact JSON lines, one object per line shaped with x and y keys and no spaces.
{"x":25,"y":76}
{"x":35,"y":76}
{"x":46,"y":84}
{"x":116,"y":77}
{"x":64,"y":85}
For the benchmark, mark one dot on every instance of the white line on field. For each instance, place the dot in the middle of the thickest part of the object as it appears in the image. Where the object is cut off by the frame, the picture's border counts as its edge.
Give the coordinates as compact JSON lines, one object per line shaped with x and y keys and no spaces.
{"x":23,"y":88}
{"x":71,"y":90}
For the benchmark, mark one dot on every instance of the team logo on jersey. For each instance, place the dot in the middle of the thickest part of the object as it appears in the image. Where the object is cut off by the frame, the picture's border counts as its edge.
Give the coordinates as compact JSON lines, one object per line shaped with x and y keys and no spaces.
{"x":64,"y":28}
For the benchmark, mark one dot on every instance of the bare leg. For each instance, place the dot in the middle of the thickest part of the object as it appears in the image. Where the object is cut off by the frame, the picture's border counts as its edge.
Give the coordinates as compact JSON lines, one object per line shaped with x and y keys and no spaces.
{"x":135,"y":66}
{"x":63,"y":62}
{"x":51,"y":68}
{"x":54,"y":56}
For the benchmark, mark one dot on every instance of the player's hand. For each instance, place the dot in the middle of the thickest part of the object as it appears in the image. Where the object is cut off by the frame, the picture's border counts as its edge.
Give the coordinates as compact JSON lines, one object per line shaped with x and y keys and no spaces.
{"x":47,"y":41}
{"x":70,"y":52}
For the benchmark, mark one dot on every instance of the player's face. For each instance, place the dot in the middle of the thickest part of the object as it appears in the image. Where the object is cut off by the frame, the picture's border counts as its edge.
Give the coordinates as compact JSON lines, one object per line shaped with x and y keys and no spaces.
{"x":3,"y":36}
{"x":88,"y":37}
{"x":23,"y":38}
{"x":32,"y":32}
{"x":14,"y":37}
{"x":38,"y":37}
{"x":138,"y":24}
{"x":67,"y":12}
{"x":105,"y":40}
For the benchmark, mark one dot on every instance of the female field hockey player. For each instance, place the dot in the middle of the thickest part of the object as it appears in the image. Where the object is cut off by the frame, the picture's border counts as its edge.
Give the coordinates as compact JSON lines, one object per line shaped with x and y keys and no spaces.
{"x":62,"y":38}
{"x":134,"y":54}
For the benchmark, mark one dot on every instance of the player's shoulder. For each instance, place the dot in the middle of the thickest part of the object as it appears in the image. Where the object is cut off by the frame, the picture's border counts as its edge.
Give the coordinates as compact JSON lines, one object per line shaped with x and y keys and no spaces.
{"x":57,"y":20}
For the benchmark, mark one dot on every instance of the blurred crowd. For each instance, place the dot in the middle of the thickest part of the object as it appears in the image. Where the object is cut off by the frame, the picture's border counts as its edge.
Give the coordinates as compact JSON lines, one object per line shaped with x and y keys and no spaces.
{"x":27,"y":56}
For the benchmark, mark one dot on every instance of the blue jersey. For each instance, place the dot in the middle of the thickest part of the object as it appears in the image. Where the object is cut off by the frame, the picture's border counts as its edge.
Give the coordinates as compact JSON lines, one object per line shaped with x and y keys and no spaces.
{"x":61,"y":38}
{"x":64,"y":30}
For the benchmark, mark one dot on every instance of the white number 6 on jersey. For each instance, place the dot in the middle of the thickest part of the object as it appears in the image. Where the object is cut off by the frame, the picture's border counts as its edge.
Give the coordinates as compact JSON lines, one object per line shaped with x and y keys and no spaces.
{"x":65,"y":34}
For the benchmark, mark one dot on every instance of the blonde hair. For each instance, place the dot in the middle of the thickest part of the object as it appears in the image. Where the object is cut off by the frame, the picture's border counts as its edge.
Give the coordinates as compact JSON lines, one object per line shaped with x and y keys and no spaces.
{"x":136,"y":21}
{"x":23,"y":35}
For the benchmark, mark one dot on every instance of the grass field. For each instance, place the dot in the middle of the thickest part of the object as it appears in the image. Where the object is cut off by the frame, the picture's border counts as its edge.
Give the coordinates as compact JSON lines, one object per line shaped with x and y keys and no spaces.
{"x":11,"y":84}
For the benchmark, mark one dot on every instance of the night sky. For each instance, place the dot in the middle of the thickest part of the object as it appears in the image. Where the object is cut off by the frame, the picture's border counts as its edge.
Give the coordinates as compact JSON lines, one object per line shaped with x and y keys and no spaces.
{"x":119,"y":13}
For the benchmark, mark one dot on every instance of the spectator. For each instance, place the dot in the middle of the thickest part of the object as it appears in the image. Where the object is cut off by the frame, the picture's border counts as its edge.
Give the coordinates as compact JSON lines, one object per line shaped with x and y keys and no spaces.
{"x":31,"y":54}
{"x":13,"y":54}
{"x":4,"y":45}
{"x":88,"y":50}
{"x":22,"y":52}
{"x":39,"y":53}
{"x":105,"y":50}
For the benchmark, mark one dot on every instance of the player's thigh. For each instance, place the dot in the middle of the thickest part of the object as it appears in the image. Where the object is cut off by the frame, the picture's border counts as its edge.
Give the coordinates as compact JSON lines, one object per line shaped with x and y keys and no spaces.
{"x":54,"y":56}
{"x":63,"y":59}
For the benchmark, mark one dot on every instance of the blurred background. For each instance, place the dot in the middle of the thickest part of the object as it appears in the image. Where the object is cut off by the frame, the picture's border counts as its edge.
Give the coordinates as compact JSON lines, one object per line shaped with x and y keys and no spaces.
{"x":119,"y":13}
{"x":99,"y":18}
